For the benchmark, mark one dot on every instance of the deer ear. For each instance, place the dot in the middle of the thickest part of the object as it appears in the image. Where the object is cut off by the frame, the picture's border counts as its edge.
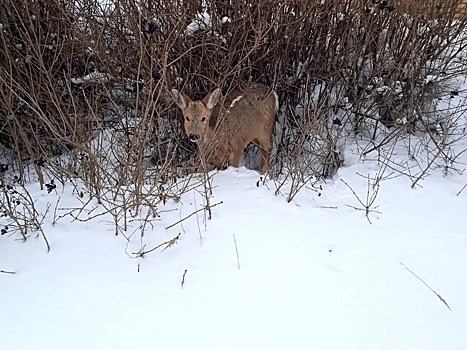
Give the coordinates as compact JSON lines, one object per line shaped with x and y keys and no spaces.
{"x":180,"y":99}
{"x":211,"y":100}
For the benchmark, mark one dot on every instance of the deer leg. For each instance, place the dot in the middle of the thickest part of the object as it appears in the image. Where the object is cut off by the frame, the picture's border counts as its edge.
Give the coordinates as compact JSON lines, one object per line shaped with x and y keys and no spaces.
{"x":265,"y":147}
{"x":234,"y":158}
{"x":264,"y":161}
{"x":236,"y":151}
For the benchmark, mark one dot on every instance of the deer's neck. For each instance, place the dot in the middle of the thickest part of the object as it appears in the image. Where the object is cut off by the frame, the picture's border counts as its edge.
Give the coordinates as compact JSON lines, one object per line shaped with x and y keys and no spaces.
{"x":210,"y":138}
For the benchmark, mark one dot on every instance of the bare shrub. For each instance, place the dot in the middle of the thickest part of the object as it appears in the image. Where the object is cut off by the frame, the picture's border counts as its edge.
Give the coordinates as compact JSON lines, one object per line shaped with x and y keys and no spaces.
{"x":85,"y":84}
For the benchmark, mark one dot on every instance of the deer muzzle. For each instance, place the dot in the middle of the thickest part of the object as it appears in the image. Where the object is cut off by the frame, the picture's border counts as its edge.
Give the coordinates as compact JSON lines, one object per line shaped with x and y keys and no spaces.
{"x":194,"y":138}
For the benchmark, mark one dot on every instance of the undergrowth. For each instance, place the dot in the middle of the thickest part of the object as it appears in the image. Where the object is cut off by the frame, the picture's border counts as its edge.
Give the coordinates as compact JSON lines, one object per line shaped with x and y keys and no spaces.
{"x":85,"y":96}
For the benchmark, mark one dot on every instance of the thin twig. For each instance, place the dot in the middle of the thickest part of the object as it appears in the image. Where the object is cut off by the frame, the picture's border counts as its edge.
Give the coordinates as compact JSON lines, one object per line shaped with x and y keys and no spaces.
{"x":7,"y":272}
{"x":462,"y":189}
{"x":323,"y":207}
{"x":388,"y":138}
{"x":183,"y":278}
{"x":236,"y":250}
{"x":195,"y":212}
{"x":353,"y":192}
{"x":54,"y":222}
{"x":167,"y":244}
{"x":45,"y":239}
{"x":439,"y":296}
{"x":197,"y":219}
{"x":427,"y":168}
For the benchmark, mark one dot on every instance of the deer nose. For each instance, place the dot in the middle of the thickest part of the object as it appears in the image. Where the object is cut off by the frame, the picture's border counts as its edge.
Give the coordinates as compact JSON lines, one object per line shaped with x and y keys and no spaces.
{"x":194,"y":138}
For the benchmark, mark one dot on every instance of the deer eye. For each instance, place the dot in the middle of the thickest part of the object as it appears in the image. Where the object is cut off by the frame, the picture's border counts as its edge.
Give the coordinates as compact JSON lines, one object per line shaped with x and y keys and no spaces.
{"x":187,"y":119}
{"x":203,"y":119}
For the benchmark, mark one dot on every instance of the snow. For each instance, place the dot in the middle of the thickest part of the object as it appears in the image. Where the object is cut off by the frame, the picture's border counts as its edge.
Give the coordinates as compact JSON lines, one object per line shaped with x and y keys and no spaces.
{"x":92,"y":78}
{"x":314,"y":273}
{"x":202,"y":21}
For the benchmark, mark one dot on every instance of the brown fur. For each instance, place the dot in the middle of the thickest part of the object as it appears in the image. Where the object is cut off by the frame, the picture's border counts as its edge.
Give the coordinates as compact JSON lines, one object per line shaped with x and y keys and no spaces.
{"x":223,"y":131}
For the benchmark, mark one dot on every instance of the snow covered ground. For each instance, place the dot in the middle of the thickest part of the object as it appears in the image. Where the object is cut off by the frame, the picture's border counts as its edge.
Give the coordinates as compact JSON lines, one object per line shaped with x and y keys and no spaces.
{"x":314,"y":273}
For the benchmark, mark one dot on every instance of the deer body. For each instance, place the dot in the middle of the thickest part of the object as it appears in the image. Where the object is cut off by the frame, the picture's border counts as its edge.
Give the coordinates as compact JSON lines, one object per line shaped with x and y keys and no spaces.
{"x":222,"y":131}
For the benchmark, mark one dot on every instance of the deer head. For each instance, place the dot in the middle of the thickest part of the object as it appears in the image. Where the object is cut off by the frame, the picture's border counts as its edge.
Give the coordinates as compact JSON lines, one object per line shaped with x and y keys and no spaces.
{"x":196,"y":114}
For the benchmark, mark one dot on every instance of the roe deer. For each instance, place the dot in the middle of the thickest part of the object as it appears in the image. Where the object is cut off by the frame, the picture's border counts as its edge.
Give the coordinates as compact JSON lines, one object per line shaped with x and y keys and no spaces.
{"x":223,"y":131}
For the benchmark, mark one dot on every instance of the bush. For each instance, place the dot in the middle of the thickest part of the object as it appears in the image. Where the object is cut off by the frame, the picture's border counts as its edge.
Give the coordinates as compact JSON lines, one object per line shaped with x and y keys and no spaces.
{"x":91,"y":79}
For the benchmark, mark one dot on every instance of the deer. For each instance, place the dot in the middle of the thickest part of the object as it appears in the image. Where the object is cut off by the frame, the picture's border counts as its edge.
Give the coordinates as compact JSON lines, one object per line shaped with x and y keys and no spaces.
{"x":223,"y":130}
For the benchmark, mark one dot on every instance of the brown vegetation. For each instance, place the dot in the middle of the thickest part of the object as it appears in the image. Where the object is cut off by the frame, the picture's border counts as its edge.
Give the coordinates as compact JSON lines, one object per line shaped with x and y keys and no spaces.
{"x":94,"y":83}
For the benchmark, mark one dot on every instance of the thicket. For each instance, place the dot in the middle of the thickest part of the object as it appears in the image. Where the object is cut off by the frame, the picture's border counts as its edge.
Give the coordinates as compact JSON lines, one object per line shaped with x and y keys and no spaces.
{"x":85,"y":87}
